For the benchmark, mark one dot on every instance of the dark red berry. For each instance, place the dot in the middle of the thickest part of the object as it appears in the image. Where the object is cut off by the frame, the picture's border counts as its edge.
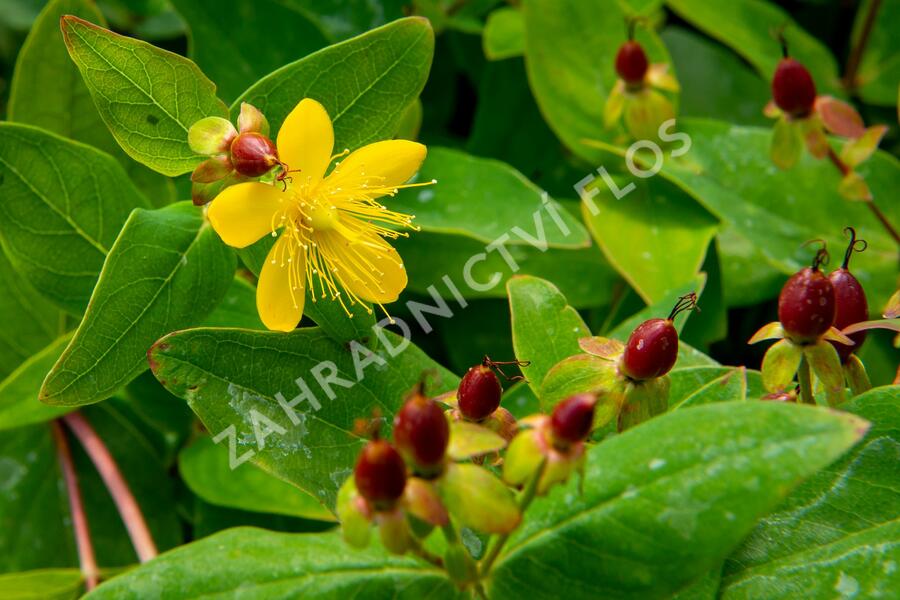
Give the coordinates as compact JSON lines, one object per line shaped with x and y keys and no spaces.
{"x":380,"y":474}
{"x":793,"y":88}
{"x":631,"y":63}
{"x":253,"y":154}
{"x":421,"y":432}
{"x":806,"y":303}
{"x":573,"y":419}
{"x":479,"y":393}
{"x":651,"y":350}
{"x":850,"y":305}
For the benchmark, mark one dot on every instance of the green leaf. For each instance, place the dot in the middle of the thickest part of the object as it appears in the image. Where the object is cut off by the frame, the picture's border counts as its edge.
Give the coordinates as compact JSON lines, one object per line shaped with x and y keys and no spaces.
{"x":428,"y":257}
{"x":237,"y":308}
{"x":33,"y":504}
{"x":745,"y":26}
{"x":487,"y":200}
{"x":879,"y":69}
{"x":736,"y":94}
{"x":43,"y":584}
{"x":47,"y":91}
{"x":246,"y":40}
{"x":695,"y":386}
{"x":166,"y":271}
{"x":674,"y":234}
{"x":504,"y":34}
{"x":232,"y":378}
{"x":545,"y":328}
{"x":676,"y":507}
{"x":570,"y":59}
{"x":205,"y":469}
{"x":148,"y":97}
{"x":478,"y":499}
{"x":62,"y":206}
{"x":837,"y":535}
{"x":721,"y":171}
{"x":365,"y":83}
{"x":28,"y":322}
{"x":780,"y":364}
{"x":340,"y":19}
{"x":279,"y":564}
{"x":19,"y":403}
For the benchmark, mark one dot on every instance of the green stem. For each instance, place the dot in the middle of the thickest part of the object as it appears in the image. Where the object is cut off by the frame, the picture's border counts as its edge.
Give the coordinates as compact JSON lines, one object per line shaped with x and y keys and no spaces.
{"x":425,"y":555}
{"x":496,"y":544}
{"x":806,"y":395}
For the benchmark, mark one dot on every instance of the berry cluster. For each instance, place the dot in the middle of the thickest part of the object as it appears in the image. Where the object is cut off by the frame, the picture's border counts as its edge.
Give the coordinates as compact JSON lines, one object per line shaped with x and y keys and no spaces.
{"x":813,"y":309}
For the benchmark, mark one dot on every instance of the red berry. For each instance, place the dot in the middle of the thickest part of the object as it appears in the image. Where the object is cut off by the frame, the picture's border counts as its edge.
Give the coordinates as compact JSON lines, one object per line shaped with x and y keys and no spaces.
{"x":573,"y":419}
{"x":651,"y":350}
{"x":631,"y":63}
{"x":793,"y":88}
{"x":253,"y":154}
{"x":806,"y":306}
{"x":380,"y":474}
{"x":421,"y":432}
{"x":850,"y":305}
{"x":478,"y":393}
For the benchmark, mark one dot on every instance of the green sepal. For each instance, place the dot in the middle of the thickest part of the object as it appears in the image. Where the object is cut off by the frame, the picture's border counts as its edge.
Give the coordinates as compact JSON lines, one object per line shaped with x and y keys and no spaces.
{"x":211,"y":135}
{"x":470,"y":439}
{"x":643,"y":400}
{"x":393,"y":527}
{"x":459,"y":564}
{"x":212,"y":169}
{"x":645,"y":111}
{"x":814,"y":137}
{"x":780,"y":364}
{"x":582,"y":374}
{"x":560,"y":467}
{"x":826,"y":364}
{"x":787,"y":144}
{"x":856,"y":152}
{"x":607,"y":348}
{"x":479,"y":500}
{"x":854,"y":187}
{"x":356,"y":524}
{"x":856,"y":376}
{"x":523,"y":457}
{"x":422,"y":501}
{"x":252,"y":120}
{"x":770,"y":331}
{"x":615,"y":102}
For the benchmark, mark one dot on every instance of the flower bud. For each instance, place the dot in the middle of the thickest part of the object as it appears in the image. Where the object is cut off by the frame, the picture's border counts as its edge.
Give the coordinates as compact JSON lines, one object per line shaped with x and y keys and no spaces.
{"x":253,"y":154}
{"x":651,"y":351}
{"x":380,"y":474}
{"x":421,"y":432}
{"x":479,"y":393}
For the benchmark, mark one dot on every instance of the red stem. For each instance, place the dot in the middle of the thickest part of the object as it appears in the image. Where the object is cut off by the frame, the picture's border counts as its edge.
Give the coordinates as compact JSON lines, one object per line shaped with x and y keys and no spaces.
{"x":856,"y":53}
{"x":86,"y":557}
{"x":115,"y":483}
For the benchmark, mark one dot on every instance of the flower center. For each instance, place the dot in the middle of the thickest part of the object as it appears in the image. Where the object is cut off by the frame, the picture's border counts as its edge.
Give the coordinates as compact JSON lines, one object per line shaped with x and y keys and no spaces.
{"x":321,"y":217}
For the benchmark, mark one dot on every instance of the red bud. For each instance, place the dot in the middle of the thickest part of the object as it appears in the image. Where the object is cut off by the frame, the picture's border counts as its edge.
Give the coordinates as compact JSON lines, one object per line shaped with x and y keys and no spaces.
{"x":421,"y":432}
{"x":380,"y":474}
{"x":479,"y":393}
{"x":573,"y":419}
{"x":631,"y":63}
{"x":793,"y":88}
{"x":253,"y":154}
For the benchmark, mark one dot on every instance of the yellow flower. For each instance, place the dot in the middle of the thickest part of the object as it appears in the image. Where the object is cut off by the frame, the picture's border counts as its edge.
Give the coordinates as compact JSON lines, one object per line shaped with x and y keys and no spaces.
{"x":333,"y":227}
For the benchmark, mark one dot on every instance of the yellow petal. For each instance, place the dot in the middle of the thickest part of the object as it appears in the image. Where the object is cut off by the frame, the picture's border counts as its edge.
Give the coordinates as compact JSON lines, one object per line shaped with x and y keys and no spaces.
{"x":280,"y":306}
{"x":386,"y":164}
{"x":306,"y":140}
{"x":242,"y":214}
{"x":368,"y":267}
